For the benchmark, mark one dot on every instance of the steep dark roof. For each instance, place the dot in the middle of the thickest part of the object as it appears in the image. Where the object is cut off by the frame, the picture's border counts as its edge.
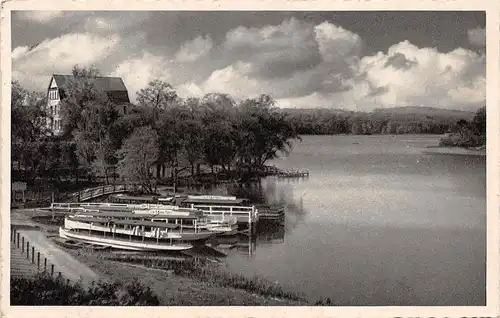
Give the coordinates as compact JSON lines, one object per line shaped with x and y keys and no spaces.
{"x":113,"y":86}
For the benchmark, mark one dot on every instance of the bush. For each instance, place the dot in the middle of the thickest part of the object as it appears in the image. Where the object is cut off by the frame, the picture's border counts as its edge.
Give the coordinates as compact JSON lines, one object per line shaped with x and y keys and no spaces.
{"x":45,"y":290}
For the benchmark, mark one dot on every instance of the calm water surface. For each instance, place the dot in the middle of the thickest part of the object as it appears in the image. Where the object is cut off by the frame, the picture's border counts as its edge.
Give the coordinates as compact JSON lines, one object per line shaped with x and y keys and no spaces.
{"x":377,"y":223}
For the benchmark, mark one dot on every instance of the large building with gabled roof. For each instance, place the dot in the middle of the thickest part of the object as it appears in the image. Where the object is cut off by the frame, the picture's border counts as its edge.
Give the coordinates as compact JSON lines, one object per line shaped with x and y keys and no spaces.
{"x":113,"y":87}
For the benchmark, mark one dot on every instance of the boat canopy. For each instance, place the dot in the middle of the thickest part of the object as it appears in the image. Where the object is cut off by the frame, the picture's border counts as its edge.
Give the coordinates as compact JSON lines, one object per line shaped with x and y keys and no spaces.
{"x":146,"y":223}
{"x":114,"y":215}
{"x":215,"y":201}
{"x":87,"y":219}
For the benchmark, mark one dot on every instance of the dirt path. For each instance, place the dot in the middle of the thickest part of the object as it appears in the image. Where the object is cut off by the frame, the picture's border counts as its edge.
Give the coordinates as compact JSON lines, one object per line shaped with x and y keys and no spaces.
{"x":69,"y":266}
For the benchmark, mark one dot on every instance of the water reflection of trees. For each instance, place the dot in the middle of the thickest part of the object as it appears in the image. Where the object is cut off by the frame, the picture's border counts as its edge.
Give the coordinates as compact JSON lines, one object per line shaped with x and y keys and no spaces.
{"x":272,"y":192}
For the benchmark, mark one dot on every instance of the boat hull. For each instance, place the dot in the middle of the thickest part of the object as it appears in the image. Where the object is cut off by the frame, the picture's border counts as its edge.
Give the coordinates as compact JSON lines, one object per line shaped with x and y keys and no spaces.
{"x":122,"y":244}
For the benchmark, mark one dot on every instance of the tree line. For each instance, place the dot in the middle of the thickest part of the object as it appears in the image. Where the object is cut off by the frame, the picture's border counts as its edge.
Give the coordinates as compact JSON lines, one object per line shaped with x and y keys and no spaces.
{"x":402,"y":120}
{"x":199,"y":137}
{"x":468,"y":133}
{"x":162,"y":130}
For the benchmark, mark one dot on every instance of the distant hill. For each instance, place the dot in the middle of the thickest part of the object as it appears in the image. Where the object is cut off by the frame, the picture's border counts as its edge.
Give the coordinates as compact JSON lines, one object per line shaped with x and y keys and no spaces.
{"x":408,"y":110}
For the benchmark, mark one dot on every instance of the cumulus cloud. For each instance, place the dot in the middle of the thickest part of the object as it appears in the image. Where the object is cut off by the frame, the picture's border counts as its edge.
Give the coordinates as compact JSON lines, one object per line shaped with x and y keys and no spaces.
{"x":274,"y":50}
{"x":139,"y":71}
{"x":301,"y":64}
{"x":35,"y":65}
{"x":40,"y":16}
{"x":19,"y":52}
{"x":408,"y":76}
{"x":291,"y":59}
{"x":193,"y":50}
{"x":100,"y":24}
{"x":335,"y":42}
{"x":477,"y":37}
{"x":234,"y":78}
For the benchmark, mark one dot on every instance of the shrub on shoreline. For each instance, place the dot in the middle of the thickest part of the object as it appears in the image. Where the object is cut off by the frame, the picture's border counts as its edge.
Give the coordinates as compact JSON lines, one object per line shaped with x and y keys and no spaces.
{"x":46,"y":290}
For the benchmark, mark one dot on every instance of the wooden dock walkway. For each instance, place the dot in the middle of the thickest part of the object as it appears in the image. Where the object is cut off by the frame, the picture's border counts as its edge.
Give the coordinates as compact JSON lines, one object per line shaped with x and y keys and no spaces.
{"x":293,"y":174}
{"x":286,"y":173}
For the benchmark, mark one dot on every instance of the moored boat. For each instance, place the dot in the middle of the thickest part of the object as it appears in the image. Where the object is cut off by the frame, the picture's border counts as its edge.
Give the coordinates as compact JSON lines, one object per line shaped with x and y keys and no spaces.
{"x":141,"y":229}
{"x":121,"y":243}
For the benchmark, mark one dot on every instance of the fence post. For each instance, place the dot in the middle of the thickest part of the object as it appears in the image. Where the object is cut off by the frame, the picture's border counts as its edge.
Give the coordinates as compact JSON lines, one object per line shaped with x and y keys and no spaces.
{"x":45,"y":264}
{"x":51,"y":269}
{"x":22,"y":248}
{"x":33,"y":254}
{"x":17,"y":241}
{"x":38,"y":260}
{"x":27,"y":250}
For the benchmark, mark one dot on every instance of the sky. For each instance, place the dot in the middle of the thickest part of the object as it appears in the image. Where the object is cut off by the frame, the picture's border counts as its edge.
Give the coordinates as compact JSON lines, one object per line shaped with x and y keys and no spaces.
{"x":350,"y":60}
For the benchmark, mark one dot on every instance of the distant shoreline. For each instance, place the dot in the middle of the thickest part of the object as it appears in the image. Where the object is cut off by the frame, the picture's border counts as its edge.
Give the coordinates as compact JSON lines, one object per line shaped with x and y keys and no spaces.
{"x":438,"y":150}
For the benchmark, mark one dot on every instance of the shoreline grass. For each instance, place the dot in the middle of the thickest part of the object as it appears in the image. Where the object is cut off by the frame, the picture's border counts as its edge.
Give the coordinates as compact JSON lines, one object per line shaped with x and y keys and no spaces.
{"x":205,"y":271}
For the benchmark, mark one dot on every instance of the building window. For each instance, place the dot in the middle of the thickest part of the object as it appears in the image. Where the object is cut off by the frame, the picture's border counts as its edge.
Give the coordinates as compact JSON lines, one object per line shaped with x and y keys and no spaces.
{"x":53,"y":95}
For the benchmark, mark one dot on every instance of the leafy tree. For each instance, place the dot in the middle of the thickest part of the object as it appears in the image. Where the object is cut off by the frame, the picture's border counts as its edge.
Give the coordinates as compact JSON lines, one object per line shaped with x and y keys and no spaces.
{"x":479,"y":121}
{"x":193,"y":140}
{"x":157,"y":95}
{"x":136,"y":157}
{"x":80,"y":93}
{"x":28,"y":128}
{"x":264,"y":132}
{"x":105,"y":160}
{"x":218,"y":122}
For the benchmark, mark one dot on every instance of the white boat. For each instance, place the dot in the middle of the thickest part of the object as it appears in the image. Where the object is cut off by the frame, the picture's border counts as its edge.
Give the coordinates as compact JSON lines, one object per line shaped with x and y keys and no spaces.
{"x":119,"y":243}
{"x":209,"y":222}
{"x":139,"y":230}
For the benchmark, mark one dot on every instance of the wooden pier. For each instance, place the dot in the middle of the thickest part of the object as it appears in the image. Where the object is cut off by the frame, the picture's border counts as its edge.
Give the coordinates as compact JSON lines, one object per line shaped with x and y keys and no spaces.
{"x":293,"y":174}
{"x":288,"y":173}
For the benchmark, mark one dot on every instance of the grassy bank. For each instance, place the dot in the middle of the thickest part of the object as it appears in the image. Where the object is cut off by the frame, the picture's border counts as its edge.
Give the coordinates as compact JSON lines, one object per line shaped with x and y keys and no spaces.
{"x":211,"y":273}
{"x":191,"y":284}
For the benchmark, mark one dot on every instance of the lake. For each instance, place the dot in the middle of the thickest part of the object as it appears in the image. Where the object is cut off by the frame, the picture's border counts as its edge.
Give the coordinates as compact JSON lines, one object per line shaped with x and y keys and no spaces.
{"x":377,"y":223}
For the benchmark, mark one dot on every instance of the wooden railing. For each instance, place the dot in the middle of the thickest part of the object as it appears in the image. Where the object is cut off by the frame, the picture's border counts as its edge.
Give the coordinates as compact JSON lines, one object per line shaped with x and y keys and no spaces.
{"x":239,"y":211}
{"x":92,"y":193}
